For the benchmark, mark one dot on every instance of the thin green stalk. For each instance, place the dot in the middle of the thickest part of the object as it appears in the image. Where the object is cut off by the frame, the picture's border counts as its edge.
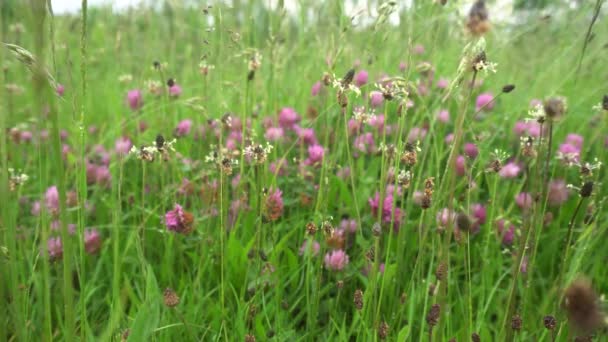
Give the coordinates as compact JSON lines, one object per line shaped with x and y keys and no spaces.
{"x":450,"y":174}
{"x":587,"y":39}
{"x":564,"y":262}
{"x":116,"y":257}
{"x":82,"y":186}
{"x":14,"y":312}
{"x":351,"y":164}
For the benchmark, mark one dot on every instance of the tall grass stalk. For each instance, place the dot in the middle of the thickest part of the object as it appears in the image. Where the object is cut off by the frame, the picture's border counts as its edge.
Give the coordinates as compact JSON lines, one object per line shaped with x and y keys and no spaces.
{"x":82,"y":182}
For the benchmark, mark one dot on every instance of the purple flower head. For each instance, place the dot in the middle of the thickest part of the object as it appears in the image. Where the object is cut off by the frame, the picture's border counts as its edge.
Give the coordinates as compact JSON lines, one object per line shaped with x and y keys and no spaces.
{"x":558,"y":192}
{"x":510,"y":170}
{"x":123,"y":146}
{"x":92,"y":241}
{"x":575,"y":140}
{"x":175,"y":90}
{"x":361,"y":78}
{"x":135,"y":99}
{"x":471,"y":150}
{"x":535,"y":102}
{"x":568,"y":152}
{"x":534,"y":129}
{"x":316,"y":88}
{"x":55,"y":248}
{"x":336,"y":260}
{"x":524,"y":201}
{"x":183,"y":128}
{"x":377,"y":122}
{"x":375,"y":99}
{"x":479,"y":212}
{"x":461,"y":165}
{"x":449,"y":138}
{"x":443,"y":116}
{"x":365,"y":143}
{"x":306,"y":135}
{"x":103,"y":177}
{"x":416,"y":134}
{"x":278,"y":167}
{"x":315,"y":154}
{"x":178,"y":220}
{"x":445,"y":217}
{"x":508,"y":234}
{"x":484,"y":100}
{"x":288,"y":118}
{"x":349,"y":225}
{"x":402,"y":66}
{"x":443,"y":83}
{"x":51,"y":199}
{"x":418,"y":49}
{"x":368,"y":268}
{"x":314,"y":250}
{"x":520,"y":128}
{"x":390,"y":212}
{"x":274,"y":204}
{"x":25,"y":136}
{"x":35,"y":210}
{"x":354,"y":126}
{"x":60,"y":90}
{"x":274,"y":133}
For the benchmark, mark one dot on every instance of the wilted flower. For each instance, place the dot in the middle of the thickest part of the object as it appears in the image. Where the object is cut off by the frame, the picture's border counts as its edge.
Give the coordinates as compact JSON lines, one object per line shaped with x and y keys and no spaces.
{"x":274,"y":204}
{"x":55,"y":248}
{"x":582,"y":306}
{"x":92,"y":241}
{"x":179,"y":220}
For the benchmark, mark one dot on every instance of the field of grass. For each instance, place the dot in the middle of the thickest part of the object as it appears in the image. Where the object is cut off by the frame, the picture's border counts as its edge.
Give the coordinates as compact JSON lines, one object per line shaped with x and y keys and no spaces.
{"x":233,"y":173}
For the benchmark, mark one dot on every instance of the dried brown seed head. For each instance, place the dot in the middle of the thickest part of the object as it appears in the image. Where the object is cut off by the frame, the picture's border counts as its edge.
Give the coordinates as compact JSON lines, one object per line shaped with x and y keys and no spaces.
{"x":555,"y":107}
{"x":582,"y":307}
{"x":358,"y":299}
{"x":383,"y":330}
{"x":170,"y":298}
{"x":432,"y":318}
{"x":550,"y":322}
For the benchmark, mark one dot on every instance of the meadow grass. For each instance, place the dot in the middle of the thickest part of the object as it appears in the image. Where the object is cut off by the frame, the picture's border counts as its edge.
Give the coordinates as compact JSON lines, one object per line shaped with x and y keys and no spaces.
{"x":221,"y":173}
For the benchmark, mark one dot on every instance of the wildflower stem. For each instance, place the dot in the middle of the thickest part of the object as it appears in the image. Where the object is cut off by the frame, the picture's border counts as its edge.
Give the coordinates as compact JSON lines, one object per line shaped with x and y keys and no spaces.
{"x":7,"y":237}
{"x":548,"y":156}
{"x":449,"y":178}
{"x":564,"y":262}
{"x":596,"y":13}
{"x":351,"y":164}
{"x":41,"y":89}
{"x":83,"y":174}
{"x":523,"y":246}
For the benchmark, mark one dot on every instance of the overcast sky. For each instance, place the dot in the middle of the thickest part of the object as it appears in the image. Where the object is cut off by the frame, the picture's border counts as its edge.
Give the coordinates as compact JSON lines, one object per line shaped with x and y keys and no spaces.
{"x":500,"y":9}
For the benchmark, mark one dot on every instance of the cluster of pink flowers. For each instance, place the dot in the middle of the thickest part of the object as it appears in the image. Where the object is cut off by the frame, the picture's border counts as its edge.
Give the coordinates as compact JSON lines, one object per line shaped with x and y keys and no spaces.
{"x":391,"y":213}
{"x":570,"y":150}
